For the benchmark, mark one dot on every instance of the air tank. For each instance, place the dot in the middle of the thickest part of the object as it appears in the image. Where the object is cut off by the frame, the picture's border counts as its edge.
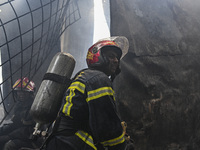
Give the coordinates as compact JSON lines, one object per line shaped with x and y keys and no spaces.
{"x":49,"y":97}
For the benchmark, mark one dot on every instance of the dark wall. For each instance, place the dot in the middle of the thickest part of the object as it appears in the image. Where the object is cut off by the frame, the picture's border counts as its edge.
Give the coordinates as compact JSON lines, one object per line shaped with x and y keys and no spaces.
{"x":158,"y":89}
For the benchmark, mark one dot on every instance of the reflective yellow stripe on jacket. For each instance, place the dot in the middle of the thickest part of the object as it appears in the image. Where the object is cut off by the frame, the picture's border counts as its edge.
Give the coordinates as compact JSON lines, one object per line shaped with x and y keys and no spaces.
{"x":115,"y":141}
{"x":78,"y":85}
{"x":74,"y":86}
{"x":94,"y":94}
{"x":86,"y":138}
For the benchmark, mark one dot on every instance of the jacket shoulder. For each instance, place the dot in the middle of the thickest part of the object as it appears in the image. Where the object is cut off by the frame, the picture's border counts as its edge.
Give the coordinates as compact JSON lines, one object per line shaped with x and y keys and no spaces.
{"x":90,"y":74}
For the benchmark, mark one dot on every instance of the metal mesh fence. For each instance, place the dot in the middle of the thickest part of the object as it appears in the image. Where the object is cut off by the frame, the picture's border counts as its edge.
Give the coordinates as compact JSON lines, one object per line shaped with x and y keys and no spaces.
{"x":29,"y":31}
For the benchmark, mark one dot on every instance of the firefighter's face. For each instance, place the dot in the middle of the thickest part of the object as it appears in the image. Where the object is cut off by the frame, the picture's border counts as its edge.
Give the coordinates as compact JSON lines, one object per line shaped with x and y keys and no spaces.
{"x":113,"y":59}
{"x":22,"y":95}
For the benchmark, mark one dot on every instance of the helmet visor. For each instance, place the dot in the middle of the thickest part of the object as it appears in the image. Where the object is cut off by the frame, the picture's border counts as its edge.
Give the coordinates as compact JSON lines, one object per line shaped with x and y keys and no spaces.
{"x":121,"y":41}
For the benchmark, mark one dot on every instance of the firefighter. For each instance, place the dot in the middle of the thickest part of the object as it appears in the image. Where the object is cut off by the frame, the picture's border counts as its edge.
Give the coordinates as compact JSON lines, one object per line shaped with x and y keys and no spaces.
{"x":88,"y":119}
{"x":16,"y":134}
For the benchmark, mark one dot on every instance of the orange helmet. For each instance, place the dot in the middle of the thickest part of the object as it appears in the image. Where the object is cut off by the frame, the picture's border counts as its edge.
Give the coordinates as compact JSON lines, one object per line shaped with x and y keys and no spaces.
{"x":24,"y":85}
{"x":94,"y":55}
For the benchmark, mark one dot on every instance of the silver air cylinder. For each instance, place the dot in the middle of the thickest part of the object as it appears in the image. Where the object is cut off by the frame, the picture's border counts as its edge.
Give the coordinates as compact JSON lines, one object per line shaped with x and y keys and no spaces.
{"x":48,"y":99}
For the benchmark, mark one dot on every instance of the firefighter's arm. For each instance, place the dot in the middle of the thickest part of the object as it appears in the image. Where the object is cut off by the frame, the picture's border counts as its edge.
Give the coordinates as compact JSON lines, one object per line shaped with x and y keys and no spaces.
{"x":105,"y":124}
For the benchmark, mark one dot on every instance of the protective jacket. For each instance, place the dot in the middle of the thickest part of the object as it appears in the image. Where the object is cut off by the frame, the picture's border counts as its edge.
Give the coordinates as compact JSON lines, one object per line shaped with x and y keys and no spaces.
{"x":88,"y":118}
{"x":20,"y":129}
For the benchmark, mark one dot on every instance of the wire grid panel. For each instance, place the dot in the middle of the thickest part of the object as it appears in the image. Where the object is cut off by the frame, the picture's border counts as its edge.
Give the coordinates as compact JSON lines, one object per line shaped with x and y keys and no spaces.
{"x":29,"y":31}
